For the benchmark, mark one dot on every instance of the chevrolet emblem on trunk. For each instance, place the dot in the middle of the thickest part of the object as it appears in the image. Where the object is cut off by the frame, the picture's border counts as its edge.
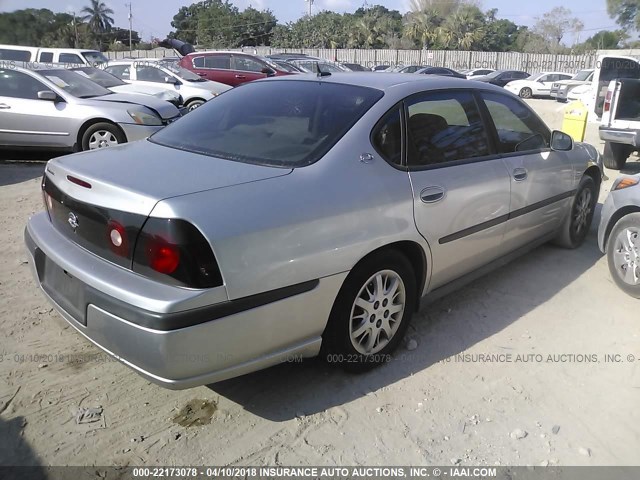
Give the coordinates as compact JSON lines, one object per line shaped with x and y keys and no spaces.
{"x":73,"y":221}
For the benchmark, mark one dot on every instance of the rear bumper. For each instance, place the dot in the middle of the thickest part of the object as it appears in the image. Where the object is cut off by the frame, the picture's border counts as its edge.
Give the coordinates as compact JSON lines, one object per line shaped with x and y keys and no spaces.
{"x":200,"y":352}
{"x":135,"y":132}
{"x":615,"y":135}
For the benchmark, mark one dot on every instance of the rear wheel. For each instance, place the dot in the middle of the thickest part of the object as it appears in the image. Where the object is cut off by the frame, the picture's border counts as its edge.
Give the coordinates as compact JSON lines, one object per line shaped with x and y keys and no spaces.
{"x":615,"y":155}
{"x":526,"y":92}
{"x":623,"y":254}
{"x":371,"y":313}
{"x":102,"y":135}
{"x":577,"y":224}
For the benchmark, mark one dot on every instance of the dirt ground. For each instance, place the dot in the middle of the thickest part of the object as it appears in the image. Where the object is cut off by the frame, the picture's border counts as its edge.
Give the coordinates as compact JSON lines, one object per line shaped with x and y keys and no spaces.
{"x":554,"y":313}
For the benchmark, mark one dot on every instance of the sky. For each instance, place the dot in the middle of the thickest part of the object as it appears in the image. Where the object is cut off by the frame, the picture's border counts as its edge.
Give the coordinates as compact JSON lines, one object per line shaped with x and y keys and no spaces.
{"x":152,"y":18}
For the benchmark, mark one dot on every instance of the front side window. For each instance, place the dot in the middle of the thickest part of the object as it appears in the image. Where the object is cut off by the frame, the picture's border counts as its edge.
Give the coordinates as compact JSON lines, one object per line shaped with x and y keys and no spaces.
{"x":19,"y":85}
{"x":279,"y":123}
{"x":146,"y":73}
{"x":518,"y":128}
{"x":121,"y":71}
{"x":445,"y":127}
{"x":387,"y":136}
{"x":70,"y":58}
{"x":247,"y":64}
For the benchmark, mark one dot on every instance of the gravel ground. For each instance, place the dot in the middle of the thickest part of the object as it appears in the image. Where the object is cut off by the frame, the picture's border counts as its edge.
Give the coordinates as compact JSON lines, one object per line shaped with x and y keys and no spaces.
{"x":554,"y":313}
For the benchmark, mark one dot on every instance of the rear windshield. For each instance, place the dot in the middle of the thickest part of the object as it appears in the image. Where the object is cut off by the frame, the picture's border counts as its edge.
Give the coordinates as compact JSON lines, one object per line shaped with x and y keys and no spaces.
{"x":276,"y":123}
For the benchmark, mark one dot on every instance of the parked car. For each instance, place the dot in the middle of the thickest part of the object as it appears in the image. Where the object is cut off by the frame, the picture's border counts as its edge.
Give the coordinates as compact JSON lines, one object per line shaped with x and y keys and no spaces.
{"x":620,"y":122}
{"x":619,"y":233}
{"x":440,"y":71}
{"x":113,"y":83}
{"x":381,"y":68}
{"x":561,"y":90}
{"x":412,"y":68}
{"x":609,"y":67}
{"x":76,"y":56}
{"x":58,"y":108}
{"x":288,"y":67}
{"x":502,"y":77}
{"x":355,"y":67}
{"x":231,"y":68}
{"x":155,"y":73}
{"x":477,"y":72}
{"x":536,"y":85}
{"x":315,"y":66}
{"x":404,"y":186}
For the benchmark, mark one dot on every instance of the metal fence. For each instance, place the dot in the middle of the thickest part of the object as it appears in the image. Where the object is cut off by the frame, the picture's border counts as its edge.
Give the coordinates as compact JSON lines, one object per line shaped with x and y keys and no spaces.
{"x":458,"y":60}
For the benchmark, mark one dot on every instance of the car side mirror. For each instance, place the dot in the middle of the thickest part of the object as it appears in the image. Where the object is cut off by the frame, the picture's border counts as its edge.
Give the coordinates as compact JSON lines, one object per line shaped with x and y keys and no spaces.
{"x":47,"y":95}
{"x":560,"y":141}
{"x":169,"y":79}
{"x":268,"y":72}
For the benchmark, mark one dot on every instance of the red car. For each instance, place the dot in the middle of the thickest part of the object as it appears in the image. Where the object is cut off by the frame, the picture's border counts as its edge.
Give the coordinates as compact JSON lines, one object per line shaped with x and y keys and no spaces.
{"x":232,"y":68}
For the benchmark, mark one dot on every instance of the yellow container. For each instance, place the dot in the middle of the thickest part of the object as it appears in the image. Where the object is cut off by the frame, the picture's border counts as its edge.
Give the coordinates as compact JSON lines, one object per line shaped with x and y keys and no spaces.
{"x":575,"y":120}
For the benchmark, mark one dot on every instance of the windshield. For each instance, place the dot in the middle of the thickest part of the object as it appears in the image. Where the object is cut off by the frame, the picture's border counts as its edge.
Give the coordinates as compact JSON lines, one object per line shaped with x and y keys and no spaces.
{"x":287,"y":67}
{"x":183,"y":73}
{"x":276,"y":123}
{"x":582,"y":75}
{"x":74,"y":84}
{"x":535,"y":76}
{"x":95,"y":58}
{"x":100,"y":77}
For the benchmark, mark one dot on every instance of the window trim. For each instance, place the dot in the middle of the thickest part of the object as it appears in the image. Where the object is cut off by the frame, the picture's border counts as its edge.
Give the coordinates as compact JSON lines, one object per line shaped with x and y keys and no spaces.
{"x":204,"y":57}
{"x":493,"y":153}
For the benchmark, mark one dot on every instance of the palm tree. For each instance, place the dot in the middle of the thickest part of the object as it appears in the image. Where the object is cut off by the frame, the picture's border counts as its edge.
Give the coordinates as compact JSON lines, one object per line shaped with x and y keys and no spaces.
{"x":98,"y":17}
{"x":462,"y":30}
{"x":422,"y":27}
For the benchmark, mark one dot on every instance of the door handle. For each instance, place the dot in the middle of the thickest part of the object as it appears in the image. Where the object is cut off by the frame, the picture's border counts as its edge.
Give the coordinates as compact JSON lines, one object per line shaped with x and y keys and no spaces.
{"x":520,"y":174}
{"x":432,"y":194}
{"x":4,"y":106}
{"x":240,"y":76}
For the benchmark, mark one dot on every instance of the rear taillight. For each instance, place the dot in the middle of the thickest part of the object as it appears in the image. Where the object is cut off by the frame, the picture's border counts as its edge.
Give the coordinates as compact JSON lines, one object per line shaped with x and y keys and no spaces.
{"x":607,"y":101}
{"x":175,"y":252}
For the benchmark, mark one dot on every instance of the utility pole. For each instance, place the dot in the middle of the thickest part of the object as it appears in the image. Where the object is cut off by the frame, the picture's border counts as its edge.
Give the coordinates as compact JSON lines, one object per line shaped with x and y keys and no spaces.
{"x":75,"y":28}
{"x":130,"y":26}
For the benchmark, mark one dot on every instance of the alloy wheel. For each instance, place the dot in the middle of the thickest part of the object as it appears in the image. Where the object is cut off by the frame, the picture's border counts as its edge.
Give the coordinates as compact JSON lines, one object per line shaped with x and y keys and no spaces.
{"x":582,"y":212}
{"x":102,"y":139}
{"x":626,"y":256}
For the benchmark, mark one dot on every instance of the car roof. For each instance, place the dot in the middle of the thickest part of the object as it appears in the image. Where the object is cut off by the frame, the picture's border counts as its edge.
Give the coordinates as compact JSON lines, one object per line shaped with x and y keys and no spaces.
{"x":389,"y":81}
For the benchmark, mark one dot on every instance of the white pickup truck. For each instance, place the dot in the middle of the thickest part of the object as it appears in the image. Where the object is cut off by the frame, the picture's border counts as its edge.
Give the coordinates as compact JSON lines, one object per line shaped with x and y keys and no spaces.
{"x":617,"y":102}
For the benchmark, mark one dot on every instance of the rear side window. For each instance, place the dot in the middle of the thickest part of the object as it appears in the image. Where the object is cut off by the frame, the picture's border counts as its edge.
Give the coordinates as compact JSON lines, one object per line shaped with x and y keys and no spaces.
{"x":46,"y":57}
{"x":387,"y":136}
{"x":19,"y":85}
{"x":518,"y":128}
{"x":276,"y":123}
{"x":445,"y":127}
{"x":70,"y":58}
{"x":15,"y":55}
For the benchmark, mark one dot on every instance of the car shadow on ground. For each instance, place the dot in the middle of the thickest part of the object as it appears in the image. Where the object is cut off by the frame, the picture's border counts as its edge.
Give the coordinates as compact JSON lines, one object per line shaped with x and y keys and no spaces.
{"x":15,"y":451}
{"x":443,"y":329}
{"x":11,"y":173}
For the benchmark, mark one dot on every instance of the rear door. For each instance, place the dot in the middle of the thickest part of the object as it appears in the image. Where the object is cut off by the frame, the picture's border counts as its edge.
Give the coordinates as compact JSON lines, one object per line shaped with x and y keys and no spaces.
{"x":215,"y":67}
{"x":26,"y":120}
{"x":541,"y":179}
{"x":461,"y":188}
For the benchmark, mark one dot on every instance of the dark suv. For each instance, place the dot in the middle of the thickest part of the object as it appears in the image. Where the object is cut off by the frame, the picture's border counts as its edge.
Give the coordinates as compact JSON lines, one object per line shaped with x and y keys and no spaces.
{"x":232,"y":68}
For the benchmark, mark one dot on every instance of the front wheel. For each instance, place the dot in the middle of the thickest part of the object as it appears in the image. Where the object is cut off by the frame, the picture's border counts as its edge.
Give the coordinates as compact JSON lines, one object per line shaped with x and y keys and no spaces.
{"x":526,"y":93}
{"x":193,"y":104}
{"x":371,"y":313}
{"x":623,"y":254}
{"x":576,"y":225}
{"x":102,"y":135}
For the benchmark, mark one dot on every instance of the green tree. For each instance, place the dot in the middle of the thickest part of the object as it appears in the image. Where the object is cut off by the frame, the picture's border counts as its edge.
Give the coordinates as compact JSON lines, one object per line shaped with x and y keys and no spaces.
{"x":463,"y":29}
{"x":553,"y":26}
{"x":422,"y":27}
{"x":625,"y":12}
{"x":255,"y":27}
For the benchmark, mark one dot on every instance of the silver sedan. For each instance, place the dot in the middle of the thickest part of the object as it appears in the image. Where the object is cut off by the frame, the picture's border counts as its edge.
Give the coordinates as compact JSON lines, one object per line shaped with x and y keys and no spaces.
{"x":299,"y":216}
{"x":58,"y":108}
{"x":619,"y":233}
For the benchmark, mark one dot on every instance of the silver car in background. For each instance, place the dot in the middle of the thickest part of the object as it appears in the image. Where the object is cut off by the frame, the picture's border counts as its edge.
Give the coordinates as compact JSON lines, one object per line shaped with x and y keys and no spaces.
{"x":57,"y":108}
{"x":619,"y":233}
{"x":310,"y":216}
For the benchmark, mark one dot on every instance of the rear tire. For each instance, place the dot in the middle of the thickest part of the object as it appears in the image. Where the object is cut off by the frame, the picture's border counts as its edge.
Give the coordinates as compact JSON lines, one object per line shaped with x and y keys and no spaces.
{"x":578,"y":222}
{"x":526,"y":92}
{"x":371,"y":312}
{"x":615,"y":155}
{"x":623,"y":254}
{"x":102,"y":135}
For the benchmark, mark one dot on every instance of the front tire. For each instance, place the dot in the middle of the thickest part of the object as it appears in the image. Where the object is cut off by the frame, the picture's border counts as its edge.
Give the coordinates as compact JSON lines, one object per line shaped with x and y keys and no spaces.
{"x":577,"y":224}
{"x":193,"y":104}
{"x":102,"y":135}
{"x":526,"y":92}
{"x":623,"y":254}
{"x":371,"y":313}
{"x":615,"y":155}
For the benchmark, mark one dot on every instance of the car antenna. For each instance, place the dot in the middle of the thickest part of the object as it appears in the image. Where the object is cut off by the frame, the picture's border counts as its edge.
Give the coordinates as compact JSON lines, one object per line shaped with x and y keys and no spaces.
{"x":321,"y":73}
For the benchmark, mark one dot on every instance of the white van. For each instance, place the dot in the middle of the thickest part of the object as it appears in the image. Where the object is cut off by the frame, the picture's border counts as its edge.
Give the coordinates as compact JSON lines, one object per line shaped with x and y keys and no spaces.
{"x":76,"y":56}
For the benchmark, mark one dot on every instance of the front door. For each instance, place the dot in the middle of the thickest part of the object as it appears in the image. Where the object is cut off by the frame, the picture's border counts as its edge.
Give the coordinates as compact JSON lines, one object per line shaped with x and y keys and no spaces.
{"x":461,"y":189}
